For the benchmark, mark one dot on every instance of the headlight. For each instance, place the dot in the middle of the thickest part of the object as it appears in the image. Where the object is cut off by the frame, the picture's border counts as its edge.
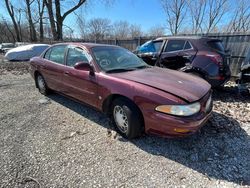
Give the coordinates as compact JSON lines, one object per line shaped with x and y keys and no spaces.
{"x":180,"y":110}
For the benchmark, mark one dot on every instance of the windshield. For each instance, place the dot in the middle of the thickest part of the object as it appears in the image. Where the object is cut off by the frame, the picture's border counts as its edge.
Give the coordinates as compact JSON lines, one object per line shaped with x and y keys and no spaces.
{"x":115,"y":58}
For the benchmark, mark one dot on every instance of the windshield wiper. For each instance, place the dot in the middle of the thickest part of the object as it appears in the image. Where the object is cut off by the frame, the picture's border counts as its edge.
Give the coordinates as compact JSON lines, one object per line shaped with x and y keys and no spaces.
{"x":143,"y":67}
{"x":127,"y":69}
{"x":120,"y":70}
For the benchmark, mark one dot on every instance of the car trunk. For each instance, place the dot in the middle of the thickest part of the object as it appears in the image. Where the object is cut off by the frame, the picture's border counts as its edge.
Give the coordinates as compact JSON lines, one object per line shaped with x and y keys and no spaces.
{"x":217,"y":46}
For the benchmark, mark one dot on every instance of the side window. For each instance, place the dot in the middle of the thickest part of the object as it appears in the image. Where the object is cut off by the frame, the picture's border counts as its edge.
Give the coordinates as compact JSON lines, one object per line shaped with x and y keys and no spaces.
{"x":157,"y":45}
{"x":175,"y":45}
{"x":47,"y":54}
{"x":147,"y":47}
{"x":187,"y":46}
{"x":57,"y":54}
{"x":76,"y":55}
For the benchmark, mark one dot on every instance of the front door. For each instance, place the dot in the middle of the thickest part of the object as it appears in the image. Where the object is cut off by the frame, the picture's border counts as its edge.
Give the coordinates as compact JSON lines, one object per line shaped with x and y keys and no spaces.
{"x":79,"y":84}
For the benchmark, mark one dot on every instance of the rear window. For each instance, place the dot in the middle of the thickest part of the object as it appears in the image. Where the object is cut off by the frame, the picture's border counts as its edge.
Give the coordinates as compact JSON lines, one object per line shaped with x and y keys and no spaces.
{"x":216,"y":45}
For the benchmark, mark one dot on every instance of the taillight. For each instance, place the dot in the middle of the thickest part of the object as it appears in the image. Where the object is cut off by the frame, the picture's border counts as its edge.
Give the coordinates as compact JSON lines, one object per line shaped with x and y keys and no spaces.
{"x":216,"y":58}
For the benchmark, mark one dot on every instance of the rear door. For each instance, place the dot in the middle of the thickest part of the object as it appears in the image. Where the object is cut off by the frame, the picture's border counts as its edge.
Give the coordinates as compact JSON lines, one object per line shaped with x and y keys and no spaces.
{"x":170,"y":56}
{"x":187,"y":55}
{"x":53,"y":67}
{"x":79,"y":84}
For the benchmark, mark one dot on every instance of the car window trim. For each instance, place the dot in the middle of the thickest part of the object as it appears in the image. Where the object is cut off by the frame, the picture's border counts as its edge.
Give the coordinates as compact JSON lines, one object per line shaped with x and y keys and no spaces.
{"x":44,"y":54}
{"x":50,"y":53}
{"x":162,"y":45}
{"x":183,"y":50}
{"x":75,"y":46}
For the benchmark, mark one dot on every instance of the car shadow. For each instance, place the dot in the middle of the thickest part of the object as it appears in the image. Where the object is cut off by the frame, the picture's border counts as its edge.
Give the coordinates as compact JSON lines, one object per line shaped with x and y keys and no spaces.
{"x":230,"y":94}
{"x":220,"y":150}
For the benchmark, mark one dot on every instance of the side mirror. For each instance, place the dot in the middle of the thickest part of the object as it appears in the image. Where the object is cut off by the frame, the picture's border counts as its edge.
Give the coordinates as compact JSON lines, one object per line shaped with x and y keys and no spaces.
{"x":85,"y":66}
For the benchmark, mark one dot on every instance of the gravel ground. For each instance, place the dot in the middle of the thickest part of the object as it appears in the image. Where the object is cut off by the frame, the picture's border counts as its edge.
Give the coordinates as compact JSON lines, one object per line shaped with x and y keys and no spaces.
{"x":56,"y":142}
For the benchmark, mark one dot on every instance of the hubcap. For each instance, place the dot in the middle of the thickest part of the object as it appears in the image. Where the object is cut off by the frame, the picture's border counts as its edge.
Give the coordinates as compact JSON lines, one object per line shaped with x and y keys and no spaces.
{"x":120,"y":118}
{"x":41,"y":83}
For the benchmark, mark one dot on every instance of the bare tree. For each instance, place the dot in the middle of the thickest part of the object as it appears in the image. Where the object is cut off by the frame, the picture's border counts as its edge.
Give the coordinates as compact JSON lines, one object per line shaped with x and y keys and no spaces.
{"x":175,"y":11}
{"x":57,"y":26}
{"x":6,"y":31}
{"x":216,"y":10}
{"x":11,"y":12}
{"x":121,"y":29}
{"x":99,"y":28}
{"x":197,"y":10}
{"x":135,"y":31}
{"x":156,"y":31}
{"x":41,"y":6}
{"x":49,"y":5}
{"x":32,"y":29}
{"x":241,"y":18}
{"x":82,"y":26}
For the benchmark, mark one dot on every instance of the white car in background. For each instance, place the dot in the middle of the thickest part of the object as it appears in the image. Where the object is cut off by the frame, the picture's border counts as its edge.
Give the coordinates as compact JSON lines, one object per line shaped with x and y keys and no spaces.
{"x":24,"y":53}
{"x":4,"y":47}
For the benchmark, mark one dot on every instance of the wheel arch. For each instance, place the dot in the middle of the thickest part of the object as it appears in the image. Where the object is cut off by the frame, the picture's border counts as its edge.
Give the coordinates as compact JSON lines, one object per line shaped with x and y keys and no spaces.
{"x":107,"y":103}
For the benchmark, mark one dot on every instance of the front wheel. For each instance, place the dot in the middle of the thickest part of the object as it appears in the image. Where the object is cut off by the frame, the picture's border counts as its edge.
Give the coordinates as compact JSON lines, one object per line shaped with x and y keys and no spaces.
{"x":127,"y":118}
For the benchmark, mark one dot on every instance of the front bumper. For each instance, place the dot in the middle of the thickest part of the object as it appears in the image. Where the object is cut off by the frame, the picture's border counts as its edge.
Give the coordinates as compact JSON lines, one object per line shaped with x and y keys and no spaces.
{"x":166,"y":125}
{"x":169,"y":126}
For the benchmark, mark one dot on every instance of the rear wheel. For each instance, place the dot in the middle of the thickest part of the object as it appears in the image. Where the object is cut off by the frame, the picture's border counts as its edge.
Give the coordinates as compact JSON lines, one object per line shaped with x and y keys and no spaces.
{"x":127,"y":118}
{"x":41,"y":85}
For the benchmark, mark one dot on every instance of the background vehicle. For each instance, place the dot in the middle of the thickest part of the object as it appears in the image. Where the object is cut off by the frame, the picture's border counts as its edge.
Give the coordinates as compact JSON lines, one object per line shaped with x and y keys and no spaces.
{"x":203,"y":57}
{"x":113,"y":80}
{"x":244,"y":81}
{"x":23,"y":53}
{"x":6,"y":47}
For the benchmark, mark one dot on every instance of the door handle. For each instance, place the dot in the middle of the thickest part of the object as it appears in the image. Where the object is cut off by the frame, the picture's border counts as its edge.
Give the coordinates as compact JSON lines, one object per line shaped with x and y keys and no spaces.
{"x":187,"y":56}
{"x":66,"y":73}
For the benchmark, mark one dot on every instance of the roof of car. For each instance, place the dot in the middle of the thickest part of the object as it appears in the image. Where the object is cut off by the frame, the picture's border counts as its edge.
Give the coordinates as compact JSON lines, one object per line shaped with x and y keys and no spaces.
{"x":87,"y":45}
{"x":186,"y":38}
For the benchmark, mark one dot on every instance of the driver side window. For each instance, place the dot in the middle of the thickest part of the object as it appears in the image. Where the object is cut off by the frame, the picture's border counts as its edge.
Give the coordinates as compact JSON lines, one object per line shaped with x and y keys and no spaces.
{"x":76,"y":55}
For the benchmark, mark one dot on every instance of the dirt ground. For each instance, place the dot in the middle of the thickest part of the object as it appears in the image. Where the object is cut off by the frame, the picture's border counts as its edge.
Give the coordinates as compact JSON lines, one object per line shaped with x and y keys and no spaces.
{"x":56,"y":142}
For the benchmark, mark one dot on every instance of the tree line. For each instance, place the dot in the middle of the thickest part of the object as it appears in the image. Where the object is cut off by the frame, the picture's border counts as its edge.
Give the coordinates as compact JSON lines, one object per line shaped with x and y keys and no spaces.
{"x":43,"y":20}
{"x":206,"y":16}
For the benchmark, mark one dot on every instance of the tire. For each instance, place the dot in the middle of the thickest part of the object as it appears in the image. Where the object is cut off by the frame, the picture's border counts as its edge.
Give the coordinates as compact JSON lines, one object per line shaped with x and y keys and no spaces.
{"x":41,"y":85}
{"x":127,"y":118}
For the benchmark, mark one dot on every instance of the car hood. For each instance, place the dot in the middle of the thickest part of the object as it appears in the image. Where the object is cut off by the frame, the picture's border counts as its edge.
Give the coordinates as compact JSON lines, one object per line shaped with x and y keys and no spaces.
{"x":183,"y":85}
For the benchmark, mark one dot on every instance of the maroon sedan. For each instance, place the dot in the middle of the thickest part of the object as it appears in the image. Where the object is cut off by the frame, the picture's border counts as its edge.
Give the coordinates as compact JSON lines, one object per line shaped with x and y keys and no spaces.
{"x":138,"y":97}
